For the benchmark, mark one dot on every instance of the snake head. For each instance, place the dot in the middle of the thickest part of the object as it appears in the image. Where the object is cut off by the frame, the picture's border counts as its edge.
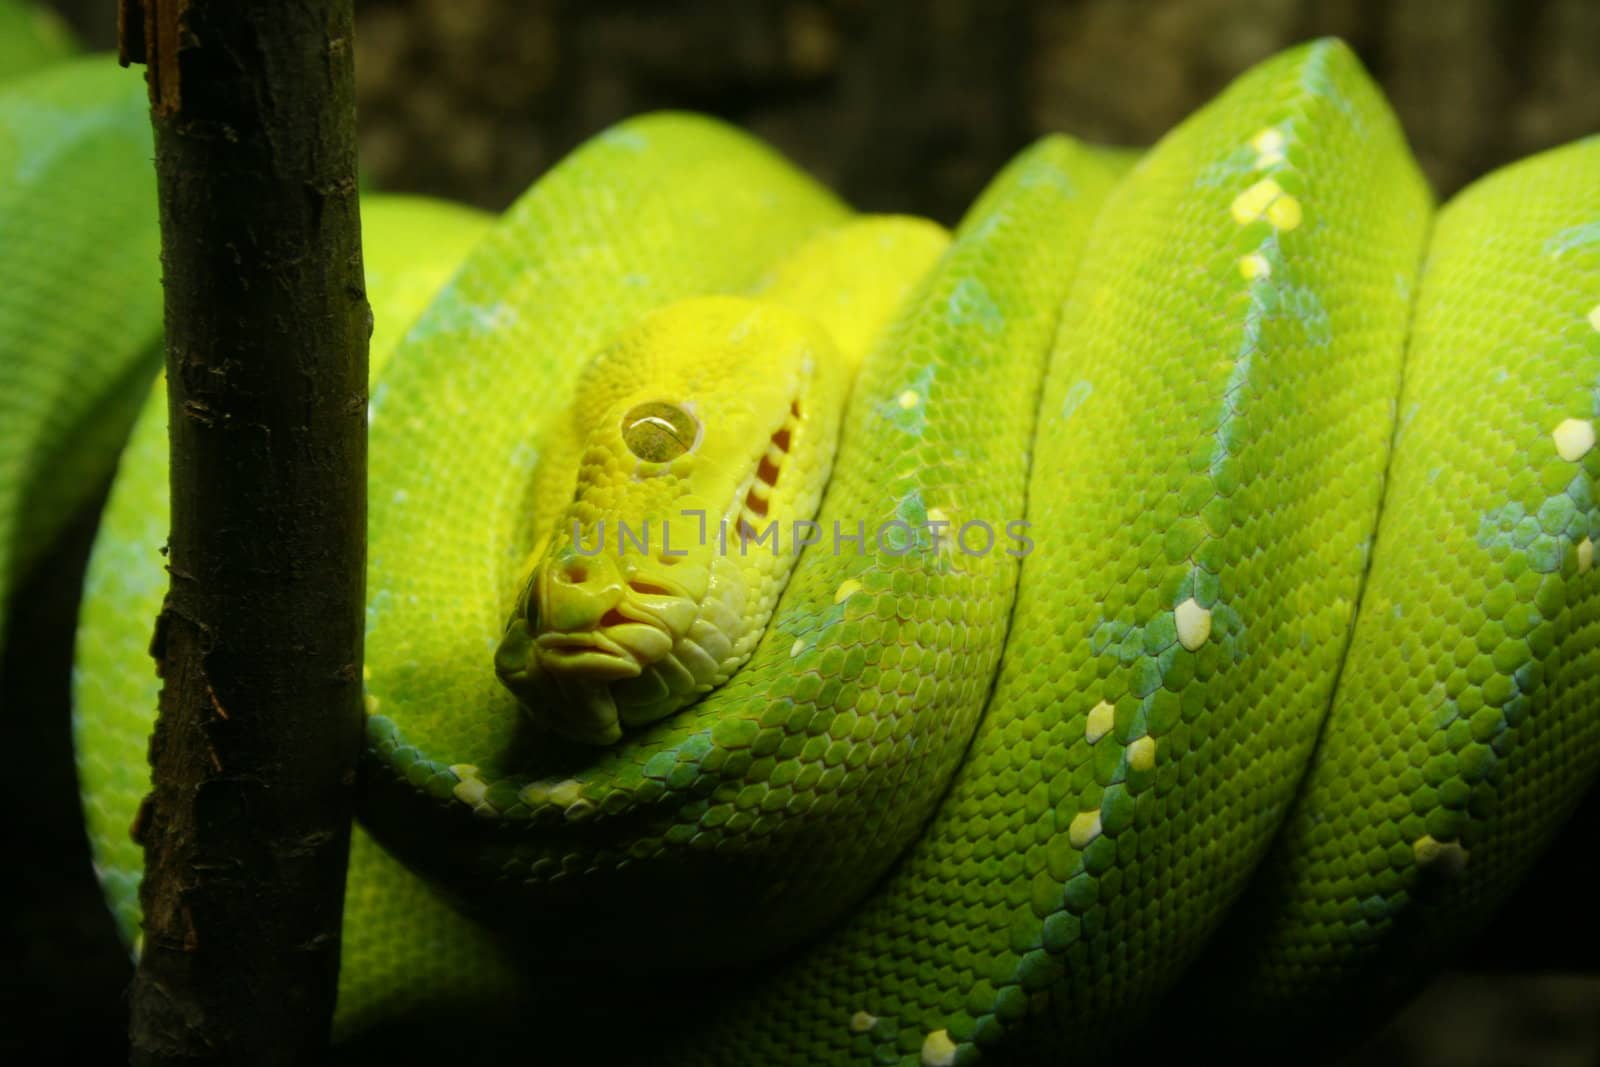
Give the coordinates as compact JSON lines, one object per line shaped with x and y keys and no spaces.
{"x":699,"y":437}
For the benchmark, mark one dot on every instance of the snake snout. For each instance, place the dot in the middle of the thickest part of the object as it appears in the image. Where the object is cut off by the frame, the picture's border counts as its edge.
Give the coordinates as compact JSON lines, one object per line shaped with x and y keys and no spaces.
{"x":574,"y":593}
{"x":595,"y":644}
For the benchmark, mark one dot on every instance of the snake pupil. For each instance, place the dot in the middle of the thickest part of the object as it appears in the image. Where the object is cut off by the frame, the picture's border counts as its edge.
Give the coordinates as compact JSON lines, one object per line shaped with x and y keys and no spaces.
{"x":657,"y":431}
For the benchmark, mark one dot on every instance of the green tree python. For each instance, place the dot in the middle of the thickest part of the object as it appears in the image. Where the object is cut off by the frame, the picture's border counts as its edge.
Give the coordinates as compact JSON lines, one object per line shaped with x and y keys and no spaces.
{"x":1200,"y":534}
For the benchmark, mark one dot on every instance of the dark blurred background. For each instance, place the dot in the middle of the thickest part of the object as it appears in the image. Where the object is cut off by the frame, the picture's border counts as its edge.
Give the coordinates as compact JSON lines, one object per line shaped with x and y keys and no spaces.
{"x":902,"y":106}
{"x":910,"y":105}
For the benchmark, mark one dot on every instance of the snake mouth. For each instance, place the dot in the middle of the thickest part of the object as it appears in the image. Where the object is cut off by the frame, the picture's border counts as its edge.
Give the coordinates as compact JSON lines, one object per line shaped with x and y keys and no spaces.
{"x":589,"y":664}
{"x":528,"y":662}
{"x":563,"y":681}
{"x":622,"y":643}
{"x":566,"y":679}
{"x":594,"y":655}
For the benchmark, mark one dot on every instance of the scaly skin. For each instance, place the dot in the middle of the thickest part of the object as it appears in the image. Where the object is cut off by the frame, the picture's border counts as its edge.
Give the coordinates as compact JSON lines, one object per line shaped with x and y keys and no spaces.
{"x":1465,"y":724}
{"x":1186,"y":379}
{"x":1207,"y":465}
{"x":81,"y":304}
{"x":30,"y":38}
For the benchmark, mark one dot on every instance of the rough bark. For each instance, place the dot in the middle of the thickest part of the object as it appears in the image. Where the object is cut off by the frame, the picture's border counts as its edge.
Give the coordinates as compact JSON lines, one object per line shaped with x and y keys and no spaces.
{"x":246,"y":831}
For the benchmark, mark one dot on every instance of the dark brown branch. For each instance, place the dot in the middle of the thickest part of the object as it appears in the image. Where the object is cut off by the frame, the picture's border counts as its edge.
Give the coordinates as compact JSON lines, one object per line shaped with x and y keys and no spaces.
{"x":151,"y":33}
{"x":259,"y":643}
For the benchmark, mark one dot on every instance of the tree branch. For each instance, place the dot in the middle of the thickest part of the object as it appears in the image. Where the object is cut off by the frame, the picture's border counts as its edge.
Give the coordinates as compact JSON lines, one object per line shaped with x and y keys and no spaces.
{"x":246,"y":831}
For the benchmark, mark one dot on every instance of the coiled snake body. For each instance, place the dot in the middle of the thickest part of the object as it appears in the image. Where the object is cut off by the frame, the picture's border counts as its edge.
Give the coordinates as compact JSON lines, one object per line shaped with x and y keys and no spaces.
{"x":1178,"y":502}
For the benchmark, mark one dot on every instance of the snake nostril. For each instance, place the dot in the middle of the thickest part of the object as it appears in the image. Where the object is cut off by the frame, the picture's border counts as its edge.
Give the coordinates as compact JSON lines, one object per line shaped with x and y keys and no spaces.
{"x":575,"y":573}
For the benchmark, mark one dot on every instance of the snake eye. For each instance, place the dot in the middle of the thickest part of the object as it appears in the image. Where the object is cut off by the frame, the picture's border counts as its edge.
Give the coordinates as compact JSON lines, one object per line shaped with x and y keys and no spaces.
{"x":657,"y":431}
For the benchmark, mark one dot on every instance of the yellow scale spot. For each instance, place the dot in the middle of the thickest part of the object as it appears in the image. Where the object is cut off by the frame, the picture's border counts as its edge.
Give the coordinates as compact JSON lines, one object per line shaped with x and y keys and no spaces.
{"x":1585,"y":556}
{"x":862,"y":1021}
{"x":1254,"y":265}
{"x":908,"y":399}
{"x":798,"y":647}
{"x":1594,"y":316}
{"x":1269,"y":145}
{"x":471,"y":789}
{"x":1448,"y":857}
{"x":1573,"y":438}
{"x":1248,"y":205}
{"x":1267,"y":198}
{"x":1142,"y":753}
{"x":1284,"y":214}
{"x":1194,"y":624}
{"x":564,"y":793}
{"x":938,"y":1050}
{"x":1084,"y":828}
{"x":846,"y":589}
{"x":1101,"y":718}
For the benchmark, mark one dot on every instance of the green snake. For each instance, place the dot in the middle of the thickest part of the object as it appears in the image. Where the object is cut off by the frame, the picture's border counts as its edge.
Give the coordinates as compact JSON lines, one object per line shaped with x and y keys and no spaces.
{"x":1201,"y":529}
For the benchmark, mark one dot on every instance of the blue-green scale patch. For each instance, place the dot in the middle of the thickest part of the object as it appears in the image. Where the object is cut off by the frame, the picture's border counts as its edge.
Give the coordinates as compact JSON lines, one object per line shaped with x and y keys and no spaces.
{"x":1077,"y":393}
{"x":1573,"y":237}
{"x":971,"y":304}
{"x":911,"y":418}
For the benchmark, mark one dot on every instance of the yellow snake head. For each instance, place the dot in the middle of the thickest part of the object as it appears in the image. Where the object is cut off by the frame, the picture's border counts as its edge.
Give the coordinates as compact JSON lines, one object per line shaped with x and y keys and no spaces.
{"x":695,"y":443}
